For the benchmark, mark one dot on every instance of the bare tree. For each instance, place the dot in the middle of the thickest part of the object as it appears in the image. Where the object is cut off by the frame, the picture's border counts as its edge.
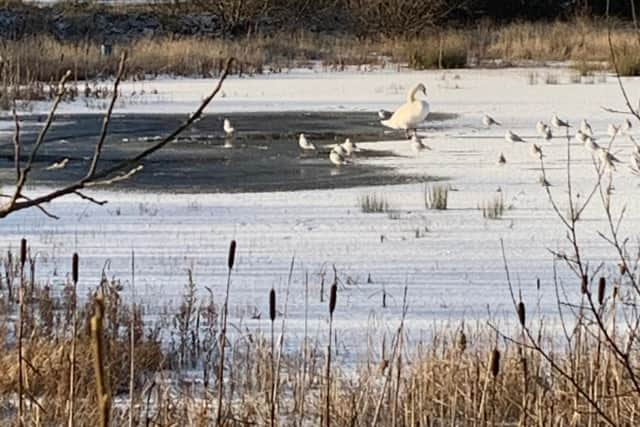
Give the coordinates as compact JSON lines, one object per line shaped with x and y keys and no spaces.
{"x":18,"y":200}
{"x":400,"y":17}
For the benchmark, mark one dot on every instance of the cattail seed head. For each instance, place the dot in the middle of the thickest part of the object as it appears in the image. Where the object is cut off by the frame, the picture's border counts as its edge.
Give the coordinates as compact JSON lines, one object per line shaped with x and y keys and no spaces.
{"x":521,"y":313}
{"x":232,"y":254}
{"x":462,"y":341}
{"x":601,"y":288}
{"x":623,"y":268}
{"x":495,"y":362}
{"x":23,"y":252}
{"x":272,"y":305}
{"x":332,"y":298}
{"x":74,"y":268}
{"x":585,"y":282}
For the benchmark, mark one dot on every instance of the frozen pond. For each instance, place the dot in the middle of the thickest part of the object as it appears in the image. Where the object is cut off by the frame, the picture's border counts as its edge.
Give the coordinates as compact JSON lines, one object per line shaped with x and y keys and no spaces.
{"x":450,"y":259}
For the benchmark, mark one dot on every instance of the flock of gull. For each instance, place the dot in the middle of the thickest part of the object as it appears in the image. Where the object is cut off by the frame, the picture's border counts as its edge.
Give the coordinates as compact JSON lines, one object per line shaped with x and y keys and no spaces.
{"x":409,"y":116}
{"x":584,"y":135}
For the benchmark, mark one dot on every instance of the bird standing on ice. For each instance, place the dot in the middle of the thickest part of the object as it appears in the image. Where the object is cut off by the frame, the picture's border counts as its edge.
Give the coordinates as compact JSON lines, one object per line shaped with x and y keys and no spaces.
{"x":512,"y":137}
{"x":58,"y":165}
{"x":349,"y":146}
{"x":384,"y":114}
{"x":635,"y":160}
{"x":536,"y":151}
{"x":304,"y":143}
{"x":411,"y":113}
{"x":337,"y":158}
{"x":585,"y":128}
{"x":502,"y":159}
{"x":340,"y":150}
{"x":228,"y":129}
{"x":608,"y":160}
{"x":417,"y":145}
{"x":559,"y":123}
{"x":489,"y":121}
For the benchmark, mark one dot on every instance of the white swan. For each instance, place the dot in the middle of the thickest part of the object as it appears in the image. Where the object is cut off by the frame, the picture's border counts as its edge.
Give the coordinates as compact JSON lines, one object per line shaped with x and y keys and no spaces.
{"x":488,"y":121}
{"x":304,"y":143}
{"x":411,"y":113}
{"x":228,"y":129}
{"x":512,"y":137}
{"x":540,"y":127}
{"x":337,"y":158}
{"x":559,"y":123}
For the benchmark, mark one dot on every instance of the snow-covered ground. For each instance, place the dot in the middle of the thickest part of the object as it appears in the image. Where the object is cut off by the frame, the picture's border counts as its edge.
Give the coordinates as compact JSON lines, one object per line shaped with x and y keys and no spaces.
{"x":450,"y":260}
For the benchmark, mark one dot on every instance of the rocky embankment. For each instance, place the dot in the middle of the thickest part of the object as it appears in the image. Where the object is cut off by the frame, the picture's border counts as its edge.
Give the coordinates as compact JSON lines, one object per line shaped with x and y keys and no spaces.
{"x":108,"y":26}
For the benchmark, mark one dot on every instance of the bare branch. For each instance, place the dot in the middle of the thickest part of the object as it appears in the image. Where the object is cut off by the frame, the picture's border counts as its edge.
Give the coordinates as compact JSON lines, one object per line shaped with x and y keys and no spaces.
{"x":22,"y":179}
{"x":107,"y":117}
{"x":16,"y":142}
{"x":117,"y":178}
{"x":90,"y":199}
{"x":126,"y":168}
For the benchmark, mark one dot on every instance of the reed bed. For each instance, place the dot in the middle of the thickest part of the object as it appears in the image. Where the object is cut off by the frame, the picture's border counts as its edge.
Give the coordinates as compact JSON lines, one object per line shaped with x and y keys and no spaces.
{"x":42,"y":58}
{"x":461,"y":375}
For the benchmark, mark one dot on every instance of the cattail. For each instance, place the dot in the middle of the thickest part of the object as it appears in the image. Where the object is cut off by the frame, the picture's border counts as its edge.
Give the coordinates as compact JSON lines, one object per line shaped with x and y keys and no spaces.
{"x":272,"y":304}
{"x":232,"y":254}
{"x":601,"y":288}
{"x":585,"y":281}
{"x":623,"y":268}
{"x":74,"y":268}
{"x":495,"y":362}
{"x":462,"y":341}
{"x":23,"y":252}
{"x":521,"y":313}
{"x":332,"y":298}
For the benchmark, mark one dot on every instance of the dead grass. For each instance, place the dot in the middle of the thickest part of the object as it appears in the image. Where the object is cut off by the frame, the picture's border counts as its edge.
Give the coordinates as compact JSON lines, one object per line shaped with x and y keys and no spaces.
{"x":28,"y":65}
{"x":459,"y":375}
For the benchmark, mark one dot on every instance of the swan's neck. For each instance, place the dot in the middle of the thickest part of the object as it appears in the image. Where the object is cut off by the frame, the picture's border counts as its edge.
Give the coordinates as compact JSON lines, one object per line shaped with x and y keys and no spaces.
{"x":412,"y":94}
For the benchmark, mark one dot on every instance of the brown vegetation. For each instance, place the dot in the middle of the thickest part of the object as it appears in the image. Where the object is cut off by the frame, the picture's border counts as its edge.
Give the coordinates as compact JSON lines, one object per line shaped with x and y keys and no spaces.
{"x":44,"y":59}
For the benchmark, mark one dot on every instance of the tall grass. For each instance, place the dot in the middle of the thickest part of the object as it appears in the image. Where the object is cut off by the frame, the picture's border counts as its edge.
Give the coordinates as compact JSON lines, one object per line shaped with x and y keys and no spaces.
{"x":43,"y":58}
{"x":457,"y":376}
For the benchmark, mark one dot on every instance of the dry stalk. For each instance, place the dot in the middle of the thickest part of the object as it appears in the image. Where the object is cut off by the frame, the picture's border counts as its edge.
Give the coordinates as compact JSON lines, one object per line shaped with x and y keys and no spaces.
{"x":223,"y":334}
{"x":74,"y":327}
{"x":102,"y":390}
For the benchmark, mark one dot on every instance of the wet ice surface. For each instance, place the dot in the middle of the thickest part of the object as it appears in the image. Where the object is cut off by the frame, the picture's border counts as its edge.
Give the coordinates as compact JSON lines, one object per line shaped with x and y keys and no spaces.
{"x":263,"y":155}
